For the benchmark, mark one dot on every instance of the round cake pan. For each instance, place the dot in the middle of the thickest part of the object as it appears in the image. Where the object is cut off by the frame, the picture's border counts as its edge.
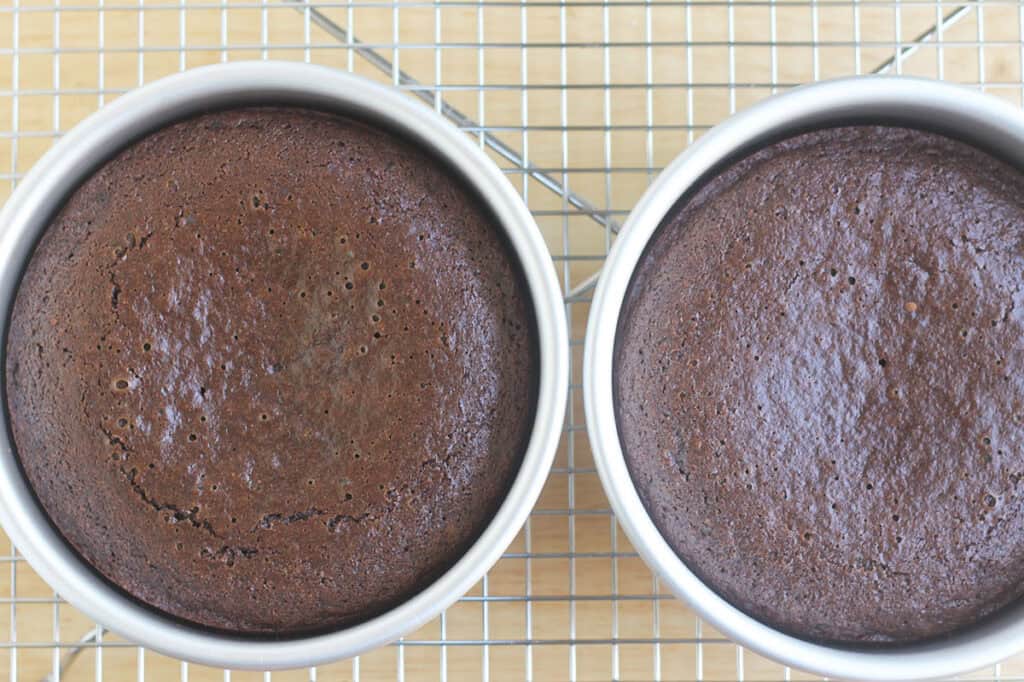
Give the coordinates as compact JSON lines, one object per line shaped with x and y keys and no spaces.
{"x":41,"y":193}
{"x":959,"y":113}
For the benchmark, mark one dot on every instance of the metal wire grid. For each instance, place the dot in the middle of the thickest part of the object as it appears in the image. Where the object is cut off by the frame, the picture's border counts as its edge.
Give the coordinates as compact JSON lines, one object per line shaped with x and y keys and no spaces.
{"x":580,"y":104}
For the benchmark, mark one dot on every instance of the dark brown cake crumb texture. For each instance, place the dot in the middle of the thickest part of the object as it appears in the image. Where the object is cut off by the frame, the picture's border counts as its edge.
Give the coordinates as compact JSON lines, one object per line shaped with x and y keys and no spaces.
{"x":271,"y":371}
{"x":820,"y":384}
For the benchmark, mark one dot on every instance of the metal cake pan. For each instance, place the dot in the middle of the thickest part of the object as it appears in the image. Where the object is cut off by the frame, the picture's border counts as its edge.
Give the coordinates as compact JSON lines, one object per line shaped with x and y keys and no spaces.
{"x":957,"y":112}
{"x":41,"y":193}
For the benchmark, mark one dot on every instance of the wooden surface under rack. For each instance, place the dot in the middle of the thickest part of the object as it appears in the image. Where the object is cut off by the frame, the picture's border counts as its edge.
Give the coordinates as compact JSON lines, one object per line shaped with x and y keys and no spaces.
{"x":599,"y":98}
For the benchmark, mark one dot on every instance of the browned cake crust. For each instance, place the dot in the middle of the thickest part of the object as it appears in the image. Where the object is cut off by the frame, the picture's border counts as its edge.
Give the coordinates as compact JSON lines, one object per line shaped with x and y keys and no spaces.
{"x":820,"y":384}
{"x":271,"y":370}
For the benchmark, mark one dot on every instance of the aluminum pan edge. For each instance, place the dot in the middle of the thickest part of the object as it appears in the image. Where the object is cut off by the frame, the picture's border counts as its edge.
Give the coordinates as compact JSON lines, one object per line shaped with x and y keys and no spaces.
{"x":951,"y":109}
{"x":62,"y":168}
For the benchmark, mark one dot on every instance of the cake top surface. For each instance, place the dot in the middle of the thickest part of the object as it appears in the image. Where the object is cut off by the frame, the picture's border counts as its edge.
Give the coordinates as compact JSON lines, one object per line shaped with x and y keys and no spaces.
{"x":271,"y":370}
{"x":819,"y":385}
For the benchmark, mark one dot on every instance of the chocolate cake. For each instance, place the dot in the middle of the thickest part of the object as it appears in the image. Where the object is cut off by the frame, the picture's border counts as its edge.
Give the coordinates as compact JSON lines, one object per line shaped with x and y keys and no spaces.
{"x":271,"y":370}
{"x":819,"y":384}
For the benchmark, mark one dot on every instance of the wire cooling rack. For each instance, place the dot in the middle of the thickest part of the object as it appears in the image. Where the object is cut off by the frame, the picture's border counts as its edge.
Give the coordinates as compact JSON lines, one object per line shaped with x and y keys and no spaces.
{"x":580,"y":104}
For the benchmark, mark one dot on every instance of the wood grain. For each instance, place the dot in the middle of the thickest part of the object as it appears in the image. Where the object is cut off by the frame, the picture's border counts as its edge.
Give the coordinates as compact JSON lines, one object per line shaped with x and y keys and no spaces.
{"x":586,"y":106}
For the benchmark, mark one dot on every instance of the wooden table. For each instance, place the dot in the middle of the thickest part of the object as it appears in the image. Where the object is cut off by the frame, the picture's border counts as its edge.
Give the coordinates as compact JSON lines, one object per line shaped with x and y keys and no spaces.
{"x":601,"y":98}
